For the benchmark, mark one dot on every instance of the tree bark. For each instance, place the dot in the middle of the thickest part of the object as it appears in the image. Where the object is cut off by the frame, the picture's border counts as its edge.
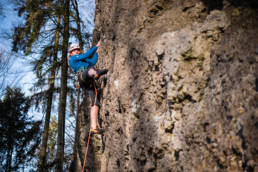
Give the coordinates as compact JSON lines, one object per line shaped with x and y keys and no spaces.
{"x":42,"y":154}
{"x":9,"y":155}
{"x":77,"y":135}
{"x":78,"y":23}
{"x":63,"y":92}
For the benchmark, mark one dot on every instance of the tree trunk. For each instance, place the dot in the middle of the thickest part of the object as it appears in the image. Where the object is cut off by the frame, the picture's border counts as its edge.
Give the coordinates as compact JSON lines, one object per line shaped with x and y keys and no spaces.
{"x":9,"y":155}
{"x":23,"y":166}
{"x":77,"y":135}
{"x":63,"y":92}
{"x":78,"y":23}
{"x":42,"y":155}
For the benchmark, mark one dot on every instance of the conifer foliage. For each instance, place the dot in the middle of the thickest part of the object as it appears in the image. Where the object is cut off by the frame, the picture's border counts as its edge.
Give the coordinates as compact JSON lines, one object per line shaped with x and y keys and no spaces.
{"x":20,"y":136}
{"x":48,"y":26}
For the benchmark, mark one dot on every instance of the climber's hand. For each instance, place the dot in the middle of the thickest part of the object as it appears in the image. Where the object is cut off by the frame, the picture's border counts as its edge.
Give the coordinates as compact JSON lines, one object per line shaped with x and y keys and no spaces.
{"x":98,"y":44}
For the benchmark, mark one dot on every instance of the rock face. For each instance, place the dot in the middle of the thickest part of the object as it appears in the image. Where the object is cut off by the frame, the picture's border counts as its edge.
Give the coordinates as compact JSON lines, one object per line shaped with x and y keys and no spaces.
{"x":181,"y":92}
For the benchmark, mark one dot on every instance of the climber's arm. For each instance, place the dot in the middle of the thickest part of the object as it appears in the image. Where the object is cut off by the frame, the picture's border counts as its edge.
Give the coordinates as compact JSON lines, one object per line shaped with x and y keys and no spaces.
{"x":88,"y":54}
{"x":93,"y":60}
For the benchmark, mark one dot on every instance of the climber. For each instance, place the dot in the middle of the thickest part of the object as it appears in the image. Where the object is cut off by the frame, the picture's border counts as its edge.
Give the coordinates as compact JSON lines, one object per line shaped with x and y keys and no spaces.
{"x":83,"y":64}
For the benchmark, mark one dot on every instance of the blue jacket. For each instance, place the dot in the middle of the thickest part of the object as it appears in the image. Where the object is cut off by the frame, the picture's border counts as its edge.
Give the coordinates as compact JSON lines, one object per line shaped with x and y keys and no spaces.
{"x":83,"y":61}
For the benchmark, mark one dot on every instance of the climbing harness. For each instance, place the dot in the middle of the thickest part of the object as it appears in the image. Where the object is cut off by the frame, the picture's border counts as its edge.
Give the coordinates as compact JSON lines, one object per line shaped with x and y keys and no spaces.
{"x":87,"y":147}
{"x":81,"y":69}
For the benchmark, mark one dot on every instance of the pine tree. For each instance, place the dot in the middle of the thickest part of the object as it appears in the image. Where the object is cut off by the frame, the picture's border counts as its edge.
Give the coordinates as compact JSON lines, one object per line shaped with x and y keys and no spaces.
{"x":47,"y":12}
{"x":77,"y":30}
{"x":5,"y":63}
{"x":20,"y":135}
{"x":79,"y":36}
{"x":51,"y":144}
{"x":50,"y":93}
{"x":63,"y":91}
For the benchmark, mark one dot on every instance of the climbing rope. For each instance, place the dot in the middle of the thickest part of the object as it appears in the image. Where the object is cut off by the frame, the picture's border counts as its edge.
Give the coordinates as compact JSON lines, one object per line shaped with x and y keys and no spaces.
{"x":86,"y":152}
{"x":96,"y":92}
{"x":87,"y":147}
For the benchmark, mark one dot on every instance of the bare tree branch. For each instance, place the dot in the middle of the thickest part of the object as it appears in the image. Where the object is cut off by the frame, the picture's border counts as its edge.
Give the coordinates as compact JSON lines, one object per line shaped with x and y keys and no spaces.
{"x":4,"y":67}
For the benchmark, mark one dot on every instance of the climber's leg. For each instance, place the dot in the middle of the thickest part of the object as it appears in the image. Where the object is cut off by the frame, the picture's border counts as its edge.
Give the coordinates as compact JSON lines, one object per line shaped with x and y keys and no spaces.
{"x":94,"y":117}
{"x":94,"y":109}
{"x":93,"y":97}
{"x":100,"y":73}
{"x":92,"y":73}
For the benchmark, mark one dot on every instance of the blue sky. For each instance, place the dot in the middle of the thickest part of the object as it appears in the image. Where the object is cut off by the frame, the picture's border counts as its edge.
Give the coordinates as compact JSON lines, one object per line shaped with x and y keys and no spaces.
{"x":8,"y":20}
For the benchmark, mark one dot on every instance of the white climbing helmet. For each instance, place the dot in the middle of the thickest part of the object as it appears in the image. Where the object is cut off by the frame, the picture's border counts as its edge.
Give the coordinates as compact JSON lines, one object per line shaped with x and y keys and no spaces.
{"x":73,"y":47}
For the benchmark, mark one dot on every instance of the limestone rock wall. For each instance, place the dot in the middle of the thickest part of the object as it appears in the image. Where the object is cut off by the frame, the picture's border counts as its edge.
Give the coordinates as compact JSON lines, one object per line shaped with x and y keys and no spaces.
{"x":181,"y":92}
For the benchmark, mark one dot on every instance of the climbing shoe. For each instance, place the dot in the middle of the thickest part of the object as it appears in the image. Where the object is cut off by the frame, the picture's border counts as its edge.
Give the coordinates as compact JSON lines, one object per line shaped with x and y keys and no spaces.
{"x":100,"y":73}
{"x":96,"y":131}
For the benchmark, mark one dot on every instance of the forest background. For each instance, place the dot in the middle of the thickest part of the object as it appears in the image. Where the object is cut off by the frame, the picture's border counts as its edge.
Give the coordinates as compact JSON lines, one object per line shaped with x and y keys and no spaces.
{"x":38,"y":98}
